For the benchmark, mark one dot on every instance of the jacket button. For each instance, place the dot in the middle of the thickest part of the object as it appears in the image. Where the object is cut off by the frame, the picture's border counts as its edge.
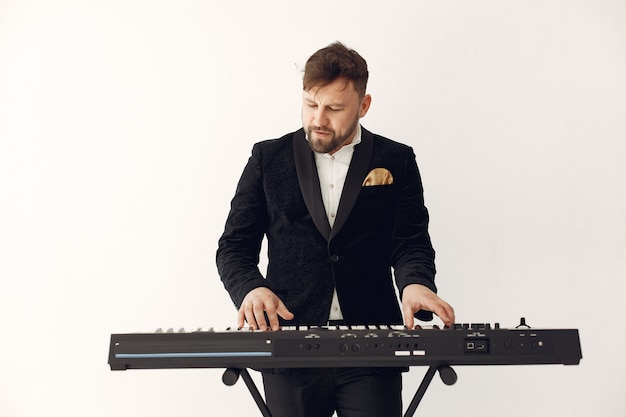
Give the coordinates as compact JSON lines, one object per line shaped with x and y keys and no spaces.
{"x":334,"y":258}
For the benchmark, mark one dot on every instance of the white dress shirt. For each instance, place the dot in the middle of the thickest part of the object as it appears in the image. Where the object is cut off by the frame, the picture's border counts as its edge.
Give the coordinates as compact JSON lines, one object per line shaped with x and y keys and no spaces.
{"x":332,"y":171}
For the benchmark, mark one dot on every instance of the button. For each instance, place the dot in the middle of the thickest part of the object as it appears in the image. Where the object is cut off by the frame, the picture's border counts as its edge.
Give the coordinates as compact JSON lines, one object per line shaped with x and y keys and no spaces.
{"x":334,"y":258}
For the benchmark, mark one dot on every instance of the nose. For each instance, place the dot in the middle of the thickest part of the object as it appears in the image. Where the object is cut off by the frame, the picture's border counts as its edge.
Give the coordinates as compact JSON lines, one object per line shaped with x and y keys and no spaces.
{"x":319,"y":117}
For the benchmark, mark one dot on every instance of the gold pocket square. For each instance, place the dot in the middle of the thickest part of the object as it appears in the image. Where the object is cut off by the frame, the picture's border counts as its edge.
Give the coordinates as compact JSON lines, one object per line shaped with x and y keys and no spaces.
{"x":378,"y":176}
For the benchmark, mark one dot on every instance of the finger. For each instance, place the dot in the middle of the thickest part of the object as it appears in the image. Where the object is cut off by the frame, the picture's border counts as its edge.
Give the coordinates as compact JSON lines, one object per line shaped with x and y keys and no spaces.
{"x":259,"y":316}
{"x":284,"y":312}
{"x":449,"y":313}
{"x":273,"y":319}
{"x":407,"y":312}
{"x":241,"y":318}
{"x":281,"y":311}
{"x":249,"y":317}
{"x":445,"y":313}
{"x":451,"y":316}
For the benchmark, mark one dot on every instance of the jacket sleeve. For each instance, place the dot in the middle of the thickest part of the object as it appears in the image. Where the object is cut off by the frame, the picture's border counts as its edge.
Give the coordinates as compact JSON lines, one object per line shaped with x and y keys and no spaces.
{"x":239,"y":246}
{"x":413,"y":256}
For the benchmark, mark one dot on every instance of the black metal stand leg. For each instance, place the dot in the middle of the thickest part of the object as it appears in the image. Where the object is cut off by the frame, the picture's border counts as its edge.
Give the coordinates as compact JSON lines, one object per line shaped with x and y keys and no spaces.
{"x":448,"y":376}
{"x":230,"y":377}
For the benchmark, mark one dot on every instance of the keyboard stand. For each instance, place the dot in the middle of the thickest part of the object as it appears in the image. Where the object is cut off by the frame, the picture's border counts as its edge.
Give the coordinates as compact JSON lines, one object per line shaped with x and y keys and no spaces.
{"x":230,"y":377}
{"x":447,"y":374}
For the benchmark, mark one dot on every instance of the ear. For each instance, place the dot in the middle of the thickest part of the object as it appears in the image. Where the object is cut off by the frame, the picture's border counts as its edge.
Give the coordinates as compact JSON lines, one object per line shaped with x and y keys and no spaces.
{"x":365,"y":105}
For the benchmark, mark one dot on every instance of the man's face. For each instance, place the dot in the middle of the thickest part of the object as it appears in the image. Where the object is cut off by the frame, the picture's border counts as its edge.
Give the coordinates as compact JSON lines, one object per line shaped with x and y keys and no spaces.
{"x":330,"y":115}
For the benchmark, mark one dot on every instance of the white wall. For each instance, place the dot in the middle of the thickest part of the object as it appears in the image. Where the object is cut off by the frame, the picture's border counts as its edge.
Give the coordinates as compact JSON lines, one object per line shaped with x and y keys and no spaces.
{"x":124,"y":126}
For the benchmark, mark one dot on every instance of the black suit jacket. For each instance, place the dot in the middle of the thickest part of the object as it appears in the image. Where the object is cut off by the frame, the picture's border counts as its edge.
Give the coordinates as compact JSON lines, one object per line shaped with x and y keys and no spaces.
{"x":377,"y":228}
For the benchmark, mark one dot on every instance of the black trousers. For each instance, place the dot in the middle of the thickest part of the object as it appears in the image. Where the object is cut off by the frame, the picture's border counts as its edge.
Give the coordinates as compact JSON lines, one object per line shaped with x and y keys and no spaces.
{"x":351,"y":392}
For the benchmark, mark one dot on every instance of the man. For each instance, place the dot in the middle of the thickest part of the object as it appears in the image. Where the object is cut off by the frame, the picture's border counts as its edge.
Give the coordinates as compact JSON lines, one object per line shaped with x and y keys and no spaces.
{"x":340,"y":207}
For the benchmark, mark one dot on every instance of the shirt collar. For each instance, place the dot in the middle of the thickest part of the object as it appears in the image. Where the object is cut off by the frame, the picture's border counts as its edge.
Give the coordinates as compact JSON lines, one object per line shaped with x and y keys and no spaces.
{"x":355,"y":141}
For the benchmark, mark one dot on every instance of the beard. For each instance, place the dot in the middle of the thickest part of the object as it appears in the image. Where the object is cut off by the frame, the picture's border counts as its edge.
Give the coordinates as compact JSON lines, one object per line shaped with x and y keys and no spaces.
{"x":332,"y":142}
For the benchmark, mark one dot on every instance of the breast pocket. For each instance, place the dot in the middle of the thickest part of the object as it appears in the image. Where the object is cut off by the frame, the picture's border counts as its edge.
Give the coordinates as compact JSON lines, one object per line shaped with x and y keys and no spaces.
{"x":377,"y":198}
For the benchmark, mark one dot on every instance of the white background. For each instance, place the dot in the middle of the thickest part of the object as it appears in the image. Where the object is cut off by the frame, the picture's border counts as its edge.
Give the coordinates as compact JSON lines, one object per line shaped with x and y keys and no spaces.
{"x":125,"y":124}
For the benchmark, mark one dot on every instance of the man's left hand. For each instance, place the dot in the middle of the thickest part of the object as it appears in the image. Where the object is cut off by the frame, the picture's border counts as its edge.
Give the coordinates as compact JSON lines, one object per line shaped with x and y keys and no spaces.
{"x":416,"y":297}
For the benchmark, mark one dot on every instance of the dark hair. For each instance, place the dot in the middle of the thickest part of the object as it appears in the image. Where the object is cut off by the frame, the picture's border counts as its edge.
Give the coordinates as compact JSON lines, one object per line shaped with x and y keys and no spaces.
{"x":333,"y":62}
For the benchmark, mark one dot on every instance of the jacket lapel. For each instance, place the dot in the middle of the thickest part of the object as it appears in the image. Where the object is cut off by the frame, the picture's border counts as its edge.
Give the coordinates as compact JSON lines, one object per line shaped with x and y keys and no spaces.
{"x":354,"y":180}
{"x":309,"y":182}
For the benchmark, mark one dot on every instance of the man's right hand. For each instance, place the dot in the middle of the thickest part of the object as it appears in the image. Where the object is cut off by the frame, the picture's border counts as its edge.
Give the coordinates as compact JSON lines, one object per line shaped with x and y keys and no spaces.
{"x":256,"y":304}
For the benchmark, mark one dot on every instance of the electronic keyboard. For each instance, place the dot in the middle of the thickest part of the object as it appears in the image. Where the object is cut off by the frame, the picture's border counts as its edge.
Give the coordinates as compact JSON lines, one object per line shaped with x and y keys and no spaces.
{"x":345,"y":346}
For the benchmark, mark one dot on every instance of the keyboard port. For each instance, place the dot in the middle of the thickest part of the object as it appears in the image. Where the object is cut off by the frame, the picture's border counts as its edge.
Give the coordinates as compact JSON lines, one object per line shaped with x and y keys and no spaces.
{"x":476,"y":345}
